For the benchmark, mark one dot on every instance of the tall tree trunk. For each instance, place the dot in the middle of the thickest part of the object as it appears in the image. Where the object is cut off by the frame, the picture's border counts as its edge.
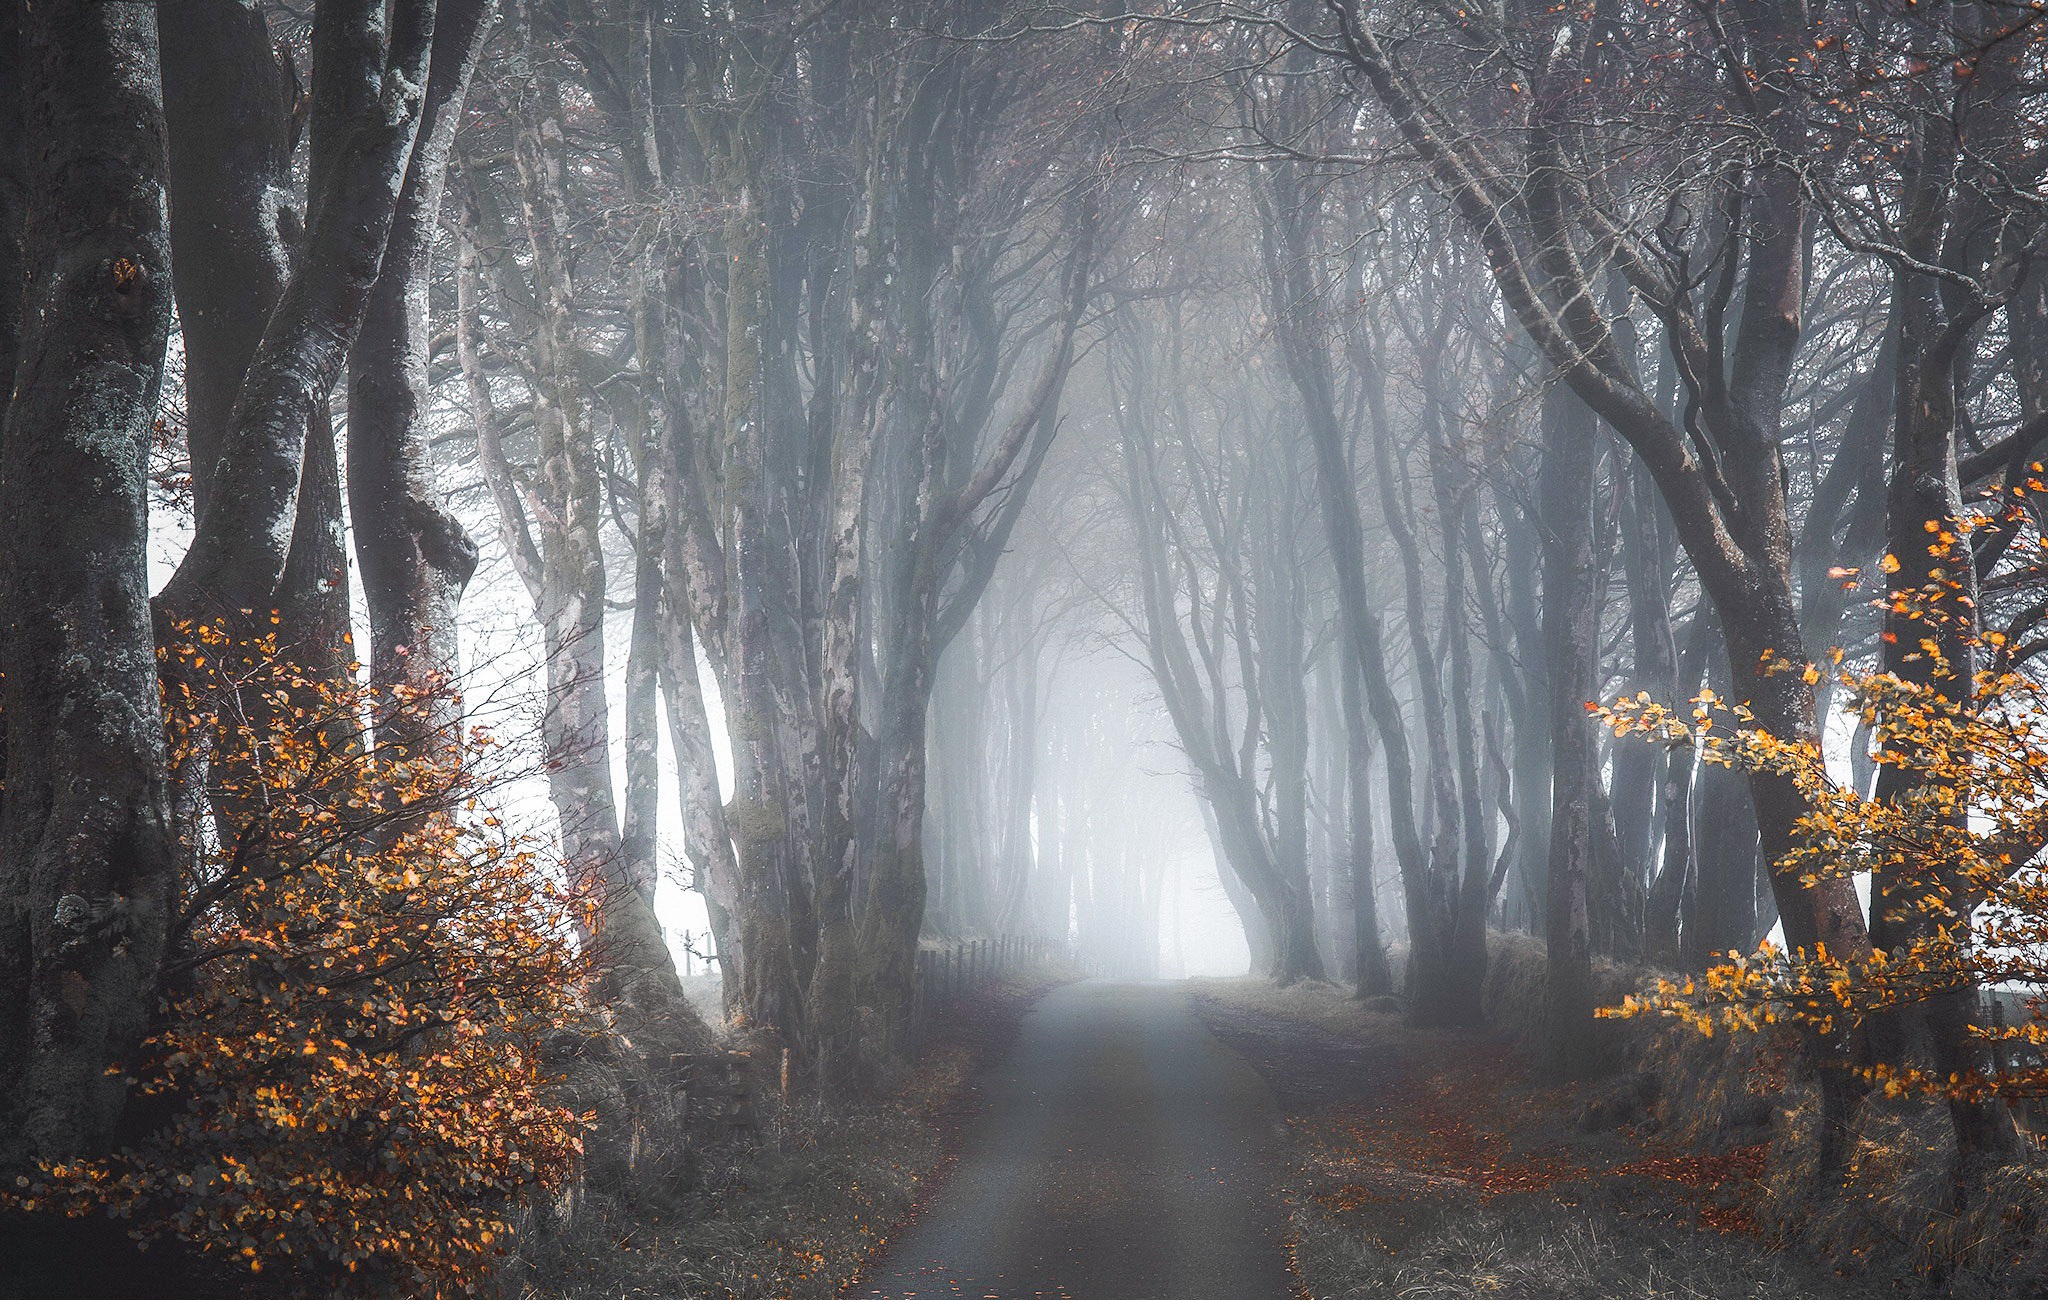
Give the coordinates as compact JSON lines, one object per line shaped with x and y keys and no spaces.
{"x":1720,"y":916}
{"x":1571,"y":647}
{"x":369,"y":80}
{"x":1375,"y":974}
{"x":13,"y":208}
{"x":1647,"y":564}
{"x":770,"y":802}
{"x":1251,"y":918}
{"x":707,"y":841}
{"x":559,"y":556}
{"x":1666,"y":902}
{"x":415,"y":556}
{"x":235,"y":232}
{"x":1281,"y":656}
{"x":87,"y":869}
{"x":228,"y":107}
{"x":1327,"y":861}
{"x":640,"y":809}
{"x":1930,"y":631}
{"x":1450,"y":481}
{"x":1450,"y":986}
{"x":1533,"y":761}
{"x":312,"y":598}
{"x":894,"y":910}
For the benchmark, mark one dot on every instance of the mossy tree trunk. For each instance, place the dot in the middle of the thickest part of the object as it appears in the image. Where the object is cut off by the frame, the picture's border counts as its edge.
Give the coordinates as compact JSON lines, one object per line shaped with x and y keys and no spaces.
{"x":87,"y":869}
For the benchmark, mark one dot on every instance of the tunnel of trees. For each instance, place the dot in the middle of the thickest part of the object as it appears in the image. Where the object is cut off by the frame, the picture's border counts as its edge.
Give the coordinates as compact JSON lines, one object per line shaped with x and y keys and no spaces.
{"x":482,"y":479}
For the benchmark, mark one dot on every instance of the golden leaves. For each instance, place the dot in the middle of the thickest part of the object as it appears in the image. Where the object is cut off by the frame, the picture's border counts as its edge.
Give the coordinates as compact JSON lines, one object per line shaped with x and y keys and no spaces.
{"x":353,"y":1055}
{"x":1951,"y":843}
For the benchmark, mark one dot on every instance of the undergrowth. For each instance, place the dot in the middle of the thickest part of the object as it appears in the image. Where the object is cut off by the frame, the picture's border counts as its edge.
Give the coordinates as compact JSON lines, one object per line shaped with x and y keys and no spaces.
{"x":796,"y":1215}
{"x":792,"y":1218}
{"x":1535,"y":1253}
{"x":1431,"y":1165}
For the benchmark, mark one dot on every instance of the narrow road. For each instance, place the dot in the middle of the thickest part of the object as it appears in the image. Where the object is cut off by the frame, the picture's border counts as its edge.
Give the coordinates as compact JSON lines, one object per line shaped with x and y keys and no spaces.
{"x":1123,"y":1154}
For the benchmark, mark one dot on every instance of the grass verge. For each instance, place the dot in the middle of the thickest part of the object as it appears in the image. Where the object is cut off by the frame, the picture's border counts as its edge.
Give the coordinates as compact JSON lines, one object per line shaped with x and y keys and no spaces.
{"x":1432,"y":1166}
{"x":798,"y":1214}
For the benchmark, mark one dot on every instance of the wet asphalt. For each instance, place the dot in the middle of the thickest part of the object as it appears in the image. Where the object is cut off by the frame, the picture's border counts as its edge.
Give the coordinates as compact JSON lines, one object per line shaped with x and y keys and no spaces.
{"x":1122,"y":1153}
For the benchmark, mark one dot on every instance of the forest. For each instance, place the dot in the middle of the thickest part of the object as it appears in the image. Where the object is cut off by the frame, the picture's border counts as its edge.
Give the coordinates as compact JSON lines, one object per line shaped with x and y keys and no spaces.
{"x":1226,"y":648}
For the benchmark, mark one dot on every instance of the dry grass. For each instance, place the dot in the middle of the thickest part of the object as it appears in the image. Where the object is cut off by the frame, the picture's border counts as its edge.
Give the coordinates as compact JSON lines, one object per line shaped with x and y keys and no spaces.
{"x":795,"y":1216}
{"x":1461,"y":1177}
{"x":1328,"y":1007}
{"x":1899,"y":1212}
{"x":1901,"y":1209}
{"x":1523,"y":1255}
{"x":1436,"y":1166}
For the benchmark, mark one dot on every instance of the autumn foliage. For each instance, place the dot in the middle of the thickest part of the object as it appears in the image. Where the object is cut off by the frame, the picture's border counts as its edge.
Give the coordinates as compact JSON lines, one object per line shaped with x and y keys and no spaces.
{"x":1949,"y":833}
{"x":348,"y":1072}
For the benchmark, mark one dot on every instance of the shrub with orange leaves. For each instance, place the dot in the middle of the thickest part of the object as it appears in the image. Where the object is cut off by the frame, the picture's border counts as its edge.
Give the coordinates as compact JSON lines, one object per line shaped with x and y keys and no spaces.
{"x":347,"y":1075}
{"x":1953,"y":836}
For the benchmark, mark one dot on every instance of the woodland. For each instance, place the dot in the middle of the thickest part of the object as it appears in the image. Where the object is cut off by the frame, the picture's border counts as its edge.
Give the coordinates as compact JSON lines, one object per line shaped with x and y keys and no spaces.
{"x":505,"y":504}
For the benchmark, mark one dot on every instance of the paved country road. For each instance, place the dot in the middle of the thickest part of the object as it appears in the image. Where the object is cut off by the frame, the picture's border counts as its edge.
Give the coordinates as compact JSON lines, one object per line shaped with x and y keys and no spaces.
{"x":1122,"y":1153}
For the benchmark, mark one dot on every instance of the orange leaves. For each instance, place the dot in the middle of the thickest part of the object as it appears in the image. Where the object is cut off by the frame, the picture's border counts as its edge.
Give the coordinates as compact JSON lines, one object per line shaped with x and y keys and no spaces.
{"x":351,"y":1052}
{"x":1949,"y":843}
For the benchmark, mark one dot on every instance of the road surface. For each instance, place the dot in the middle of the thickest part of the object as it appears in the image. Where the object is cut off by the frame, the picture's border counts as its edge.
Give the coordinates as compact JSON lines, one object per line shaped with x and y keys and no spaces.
{"x":1122,"y":1154}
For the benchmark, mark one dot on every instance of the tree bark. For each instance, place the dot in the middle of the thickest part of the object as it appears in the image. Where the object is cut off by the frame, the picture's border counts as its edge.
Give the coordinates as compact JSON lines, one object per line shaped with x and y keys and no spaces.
{"x":228,"y":104}
{"x":367,"y":93}
{"x":1647,"y":564}
{"x":13,"y":206}
{"x":707,"y":841}
{"x":415,"y":556}
{"x":1931,"y":587}
{"x":1666,"y":904}
{"x":1571,"y":648}
{"x":559,"y":556}
{"x":87,"y":869}
{"x":1720,"y":917}
{"x":311,"y":599}
{"x":1729,"y":513}
{"x":640,"y":809}
{"x":1375,"y":974}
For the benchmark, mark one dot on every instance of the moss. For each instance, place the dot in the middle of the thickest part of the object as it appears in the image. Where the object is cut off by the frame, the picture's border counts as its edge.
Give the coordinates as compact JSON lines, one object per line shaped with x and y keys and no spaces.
{"x":757,"y":821}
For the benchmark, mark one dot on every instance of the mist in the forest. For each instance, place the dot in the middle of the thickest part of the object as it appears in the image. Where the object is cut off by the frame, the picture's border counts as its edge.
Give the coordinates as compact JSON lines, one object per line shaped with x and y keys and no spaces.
{"x":710,"y":647}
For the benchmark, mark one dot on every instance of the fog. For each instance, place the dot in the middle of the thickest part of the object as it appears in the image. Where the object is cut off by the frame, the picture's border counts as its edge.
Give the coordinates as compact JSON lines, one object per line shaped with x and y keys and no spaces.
{"x":771,"y":538}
